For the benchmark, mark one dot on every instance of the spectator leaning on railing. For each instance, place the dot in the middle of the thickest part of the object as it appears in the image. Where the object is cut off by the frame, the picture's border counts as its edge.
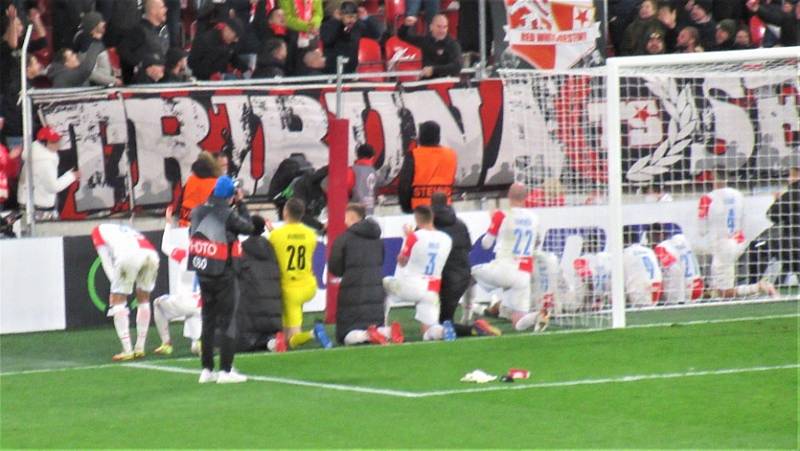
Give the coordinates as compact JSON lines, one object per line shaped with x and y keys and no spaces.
{"x":69,"y":71}
{"x":441,"y":54}
{"x":272,"y":59}
{"x":214,"y":56}
{"x":93,"y":28}
{"x":46,"y":181}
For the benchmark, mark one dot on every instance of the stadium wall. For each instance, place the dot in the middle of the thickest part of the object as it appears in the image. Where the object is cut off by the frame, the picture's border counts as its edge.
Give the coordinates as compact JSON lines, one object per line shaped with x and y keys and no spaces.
{"x":57,"y":283}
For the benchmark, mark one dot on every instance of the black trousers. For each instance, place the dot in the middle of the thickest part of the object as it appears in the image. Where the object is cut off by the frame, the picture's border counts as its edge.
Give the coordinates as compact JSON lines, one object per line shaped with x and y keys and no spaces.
{"x":453,"y":287}
{"x":220,"y":299}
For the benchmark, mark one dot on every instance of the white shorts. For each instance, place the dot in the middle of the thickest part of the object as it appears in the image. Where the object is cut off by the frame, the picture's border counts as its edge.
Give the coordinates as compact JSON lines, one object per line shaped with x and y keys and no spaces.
{"x":175,"y":306}
{"x":140,"y":267}
{"x":416,"y":290}
{"x":506,"y":275}
{"x":724,"y":253}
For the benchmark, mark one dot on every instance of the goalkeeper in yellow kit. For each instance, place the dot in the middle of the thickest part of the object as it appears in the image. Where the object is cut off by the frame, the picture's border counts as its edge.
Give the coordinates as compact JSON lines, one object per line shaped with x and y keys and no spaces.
{"x":294,"y":245}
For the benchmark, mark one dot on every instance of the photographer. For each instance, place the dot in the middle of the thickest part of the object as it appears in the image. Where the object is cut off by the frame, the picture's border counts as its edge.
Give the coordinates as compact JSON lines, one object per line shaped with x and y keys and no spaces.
{"x":215,"y":253}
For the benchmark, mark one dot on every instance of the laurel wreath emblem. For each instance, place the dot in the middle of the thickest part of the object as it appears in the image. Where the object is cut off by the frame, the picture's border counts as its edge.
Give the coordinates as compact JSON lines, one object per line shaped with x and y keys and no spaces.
{"x":683,"y":121}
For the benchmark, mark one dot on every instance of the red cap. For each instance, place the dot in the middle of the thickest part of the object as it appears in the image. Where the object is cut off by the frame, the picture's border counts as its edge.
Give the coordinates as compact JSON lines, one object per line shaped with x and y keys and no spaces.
{"x":47,"y":134}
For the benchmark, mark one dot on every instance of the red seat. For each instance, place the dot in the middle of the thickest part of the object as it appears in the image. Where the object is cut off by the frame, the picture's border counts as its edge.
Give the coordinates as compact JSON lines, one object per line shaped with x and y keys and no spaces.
{"x":452,"y":18}
{"x":394,"y":11}
{"x":757,"y":29}
{"x":402,"y":56}
{"x":370,"y":59}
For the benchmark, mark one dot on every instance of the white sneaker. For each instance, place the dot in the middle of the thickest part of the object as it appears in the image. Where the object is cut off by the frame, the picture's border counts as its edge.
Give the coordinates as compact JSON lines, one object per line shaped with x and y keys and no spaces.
{"x":207,"y":376}
{"x":231,"y":377}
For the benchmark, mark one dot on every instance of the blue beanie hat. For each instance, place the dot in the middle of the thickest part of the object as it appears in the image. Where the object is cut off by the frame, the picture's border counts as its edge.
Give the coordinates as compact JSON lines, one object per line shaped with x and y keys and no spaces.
{"x":224,"y":187}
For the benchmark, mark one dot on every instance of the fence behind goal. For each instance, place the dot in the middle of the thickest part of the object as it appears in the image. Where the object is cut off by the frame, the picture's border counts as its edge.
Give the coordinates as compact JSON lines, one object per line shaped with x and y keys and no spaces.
{"x":678,"y":174}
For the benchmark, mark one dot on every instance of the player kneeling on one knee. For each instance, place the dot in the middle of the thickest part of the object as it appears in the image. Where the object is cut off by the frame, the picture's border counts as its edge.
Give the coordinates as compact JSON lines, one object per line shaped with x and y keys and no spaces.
{"x":357,"y":257}
{"x":185,"y":301}
{"x":513,"y":233}
{"x":418,"y":276}
{"x":294,"y":244}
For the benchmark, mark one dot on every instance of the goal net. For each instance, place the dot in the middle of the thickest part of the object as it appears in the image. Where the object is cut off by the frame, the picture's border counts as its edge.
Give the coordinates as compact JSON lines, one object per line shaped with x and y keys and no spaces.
{"x":662,"y":182}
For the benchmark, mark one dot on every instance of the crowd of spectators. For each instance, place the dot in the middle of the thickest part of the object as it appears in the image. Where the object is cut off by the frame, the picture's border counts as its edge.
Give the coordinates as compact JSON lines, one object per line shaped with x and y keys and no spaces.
{"x":122,"y":42}
{"x":650,"y":27}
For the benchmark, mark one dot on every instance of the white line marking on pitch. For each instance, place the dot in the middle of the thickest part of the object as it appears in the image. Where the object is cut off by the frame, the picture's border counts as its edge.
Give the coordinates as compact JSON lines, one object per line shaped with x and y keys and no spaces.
{"x":610,"y":380}
{"x":428,"y":343}
{"x":411,"y":394}
{"x":286,"y":381}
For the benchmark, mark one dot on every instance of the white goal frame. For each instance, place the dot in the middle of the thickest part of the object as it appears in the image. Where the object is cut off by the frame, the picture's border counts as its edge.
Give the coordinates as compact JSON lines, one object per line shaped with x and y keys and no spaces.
{"x":614,"y":68}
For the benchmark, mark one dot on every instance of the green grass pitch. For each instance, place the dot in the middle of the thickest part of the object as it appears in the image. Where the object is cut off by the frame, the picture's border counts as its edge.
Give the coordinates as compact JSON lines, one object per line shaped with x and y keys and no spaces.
{"x":723,"y":377}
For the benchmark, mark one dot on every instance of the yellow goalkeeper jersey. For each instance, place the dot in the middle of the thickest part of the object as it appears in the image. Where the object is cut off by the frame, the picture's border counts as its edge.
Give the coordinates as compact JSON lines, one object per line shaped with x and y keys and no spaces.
{"x":294,"y":246}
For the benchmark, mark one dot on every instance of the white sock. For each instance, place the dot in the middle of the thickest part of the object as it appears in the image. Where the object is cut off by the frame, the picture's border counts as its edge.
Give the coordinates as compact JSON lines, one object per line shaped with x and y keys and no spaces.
{"x":122,"y":324}
{"x":142,"y":324}
{"x":355,"y":337}
{"x":271,"y":345}
{"x":162,"y":323}
{"x":386,"y":331}
{"x":526,"y":322}
{"x":747,"y":290}
{"x":434,"y":333}
{"x":478,"y":309}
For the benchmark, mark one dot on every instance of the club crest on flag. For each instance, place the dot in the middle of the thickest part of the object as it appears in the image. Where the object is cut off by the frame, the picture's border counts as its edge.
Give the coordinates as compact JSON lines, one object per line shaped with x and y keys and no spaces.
{"x":551,"y":34}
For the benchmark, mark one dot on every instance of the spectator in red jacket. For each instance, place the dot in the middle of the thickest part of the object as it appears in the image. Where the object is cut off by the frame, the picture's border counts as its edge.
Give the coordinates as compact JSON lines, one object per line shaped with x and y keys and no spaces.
{"x":9,"y":168}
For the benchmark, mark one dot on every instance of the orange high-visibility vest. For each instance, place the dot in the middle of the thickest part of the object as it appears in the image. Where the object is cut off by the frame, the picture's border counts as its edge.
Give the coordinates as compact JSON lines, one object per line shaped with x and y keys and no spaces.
{"x":434,"y":171}
{"x":195,"y":192}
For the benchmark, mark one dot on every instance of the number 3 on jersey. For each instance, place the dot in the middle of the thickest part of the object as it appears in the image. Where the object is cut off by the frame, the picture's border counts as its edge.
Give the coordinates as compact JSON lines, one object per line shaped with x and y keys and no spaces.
{"x":297,"y":257}
{"x":429,"y":268}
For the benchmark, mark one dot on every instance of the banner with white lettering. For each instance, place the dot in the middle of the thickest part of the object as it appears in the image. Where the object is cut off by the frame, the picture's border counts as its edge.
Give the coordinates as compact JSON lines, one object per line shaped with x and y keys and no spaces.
{"x":673,"y":131}
{"x":549,"y":34}
{"x":152,"y":137}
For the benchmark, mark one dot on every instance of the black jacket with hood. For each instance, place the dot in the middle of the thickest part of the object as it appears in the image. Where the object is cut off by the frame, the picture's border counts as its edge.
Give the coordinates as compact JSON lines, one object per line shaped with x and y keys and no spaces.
{"x":456,"y":272}
{"x":259,"y":312}
{"x":357,"y":257}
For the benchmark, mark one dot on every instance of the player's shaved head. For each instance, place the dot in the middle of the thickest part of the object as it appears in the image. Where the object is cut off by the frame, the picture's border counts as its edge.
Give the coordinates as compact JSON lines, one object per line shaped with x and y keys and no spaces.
{"x":517,"y":193}
{"x":423,"y":215}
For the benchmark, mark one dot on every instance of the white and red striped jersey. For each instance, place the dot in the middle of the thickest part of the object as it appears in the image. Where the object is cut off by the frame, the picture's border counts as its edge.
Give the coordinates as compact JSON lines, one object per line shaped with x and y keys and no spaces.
{"x":175,"y":245}
{"x":642,"y":270}
{"x":119,"y":239}
{"x":676,"y":252}
{"x":721,"y":214}
{"x":680,"y":269}
{"x":515,"y":233}
{"x":427,"y":252}
{"x":594,"y":268}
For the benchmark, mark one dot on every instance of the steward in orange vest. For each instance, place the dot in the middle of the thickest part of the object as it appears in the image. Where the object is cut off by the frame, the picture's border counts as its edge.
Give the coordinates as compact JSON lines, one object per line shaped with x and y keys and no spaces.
{"x":427,"y":169}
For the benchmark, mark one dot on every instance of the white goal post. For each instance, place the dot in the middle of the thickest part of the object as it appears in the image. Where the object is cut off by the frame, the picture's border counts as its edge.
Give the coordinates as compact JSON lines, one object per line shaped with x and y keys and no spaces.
{"x":602,"y":151}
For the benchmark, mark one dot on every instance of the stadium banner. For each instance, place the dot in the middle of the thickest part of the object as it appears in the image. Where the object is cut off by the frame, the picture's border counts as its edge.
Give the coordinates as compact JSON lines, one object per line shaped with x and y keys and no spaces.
{"x":674,"y":130}
{"x":151,"y":137}
{"x":86,"y":286}
{"x":549,"y":34}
